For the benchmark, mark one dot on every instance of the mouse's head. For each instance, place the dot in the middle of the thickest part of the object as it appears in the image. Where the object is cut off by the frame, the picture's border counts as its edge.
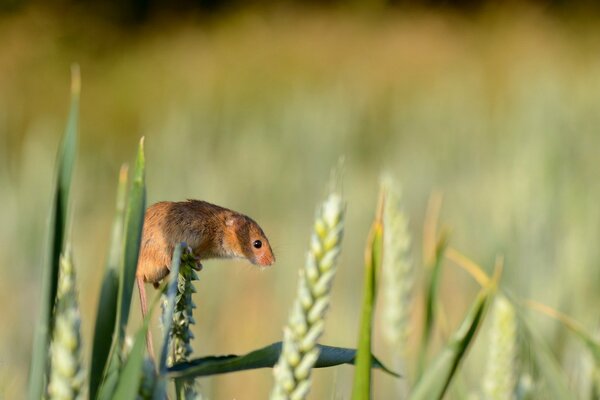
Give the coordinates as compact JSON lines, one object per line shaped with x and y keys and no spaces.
{"x":245,"y":239}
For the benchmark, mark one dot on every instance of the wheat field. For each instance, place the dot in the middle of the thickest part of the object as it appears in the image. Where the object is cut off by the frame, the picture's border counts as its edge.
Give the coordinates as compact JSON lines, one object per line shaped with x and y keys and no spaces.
{"x":495,"y":112}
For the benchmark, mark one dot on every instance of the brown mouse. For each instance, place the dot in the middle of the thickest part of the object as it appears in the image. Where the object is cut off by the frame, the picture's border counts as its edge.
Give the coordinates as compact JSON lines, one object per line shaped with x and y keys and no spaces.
{"x":209,"y":230}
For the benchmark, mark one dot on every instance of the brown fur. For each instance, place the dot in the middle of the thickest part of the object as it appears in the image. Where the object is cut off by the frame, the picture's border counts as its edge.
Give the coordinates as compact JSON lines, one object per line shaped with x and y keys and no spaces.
{"x":211,"y":231}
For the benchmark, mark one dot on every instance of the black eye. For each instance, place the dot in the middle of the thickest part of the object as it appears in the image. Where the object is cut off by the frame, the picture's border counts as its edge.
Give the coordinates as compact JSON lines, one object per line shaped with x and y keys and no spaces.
{"x":257,"y":244}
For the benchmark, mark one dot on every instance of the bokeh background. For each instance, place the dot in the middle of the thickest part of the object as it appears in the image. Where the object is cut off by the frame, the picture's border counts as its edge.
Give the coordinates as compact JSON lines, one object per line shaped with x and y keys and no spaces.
{"x":250,"y":105}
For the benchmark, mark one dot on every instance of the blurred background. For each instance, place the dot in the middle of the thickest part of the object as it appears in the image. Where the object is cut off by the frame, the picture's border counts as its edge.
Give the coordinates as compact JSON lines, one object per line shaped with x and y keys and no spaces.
{"x":249,"y":105}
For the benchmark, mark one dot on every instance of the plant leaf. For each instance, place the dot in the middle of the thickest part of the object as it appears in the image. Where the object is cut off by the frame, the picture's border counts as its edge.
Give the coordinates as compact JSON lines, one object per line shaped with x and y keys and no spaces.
{"x":133,"y":236}
{"x":471,"y":267}
{"x":109,"y":380}
{"x":431,"y":300}
{"x":373,"y":255}
{"x":58,"y":224}
{"x":587,"y":338}
{"x":436,"y":379}
{"x":134,"y":222}
{"x":107,"y":304}
{"x":545,"y":360}
{"x":128,"y":383}
{"x":265,"y":357}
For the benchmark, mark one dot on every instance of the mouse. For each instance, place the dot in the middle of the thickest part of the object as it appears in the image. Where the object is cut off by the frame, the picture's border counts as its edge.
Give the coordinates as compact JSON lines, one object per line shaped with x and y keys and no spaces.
{"x":209,"y":230}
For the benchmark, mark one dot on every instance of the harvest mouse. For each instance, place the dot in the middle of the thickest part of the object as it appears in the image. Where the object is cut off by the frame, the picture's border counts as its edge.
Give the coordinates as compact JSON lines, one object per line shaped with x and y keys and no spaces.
{"x":209,"y":230}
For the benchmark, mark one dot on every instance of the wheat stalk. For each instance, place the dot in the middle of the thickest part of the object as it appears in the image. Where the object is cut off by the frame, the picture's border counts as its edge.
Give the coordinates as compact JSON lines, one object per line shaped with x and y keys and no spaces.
{"x":181,"y":334}
{"x":66,"y":374}
{"x":307,"y":318}
{"x":500,"y":377}
{"x":397,"y":270}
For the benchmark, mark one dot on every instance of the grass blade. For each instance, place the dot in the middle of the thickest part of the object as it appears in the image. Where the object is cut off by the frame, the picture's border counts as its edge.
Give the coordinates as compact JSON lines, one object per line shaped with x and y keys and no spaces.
{"x":58,"y":223}
{"x":109,"y":380}
{"x":587,"y":338}
{"x":107,"y":304}
{"x":133,"y":236}
{"x":431,"y":301}
{"x":130,"y":375}
{"x":470,"y":266}
{"x":265,"y":357}
{"x":545,"y":361}
{"x":373,"y":256}
{"x":435,"y":381}
{"x":134,"y":221}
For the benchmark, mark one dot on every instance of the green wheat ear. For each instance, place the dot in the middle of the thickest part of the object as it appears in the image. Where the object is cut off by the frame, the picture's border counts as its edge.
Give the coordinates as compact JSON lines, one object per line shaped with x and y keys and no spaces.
{"x":181,"y":333}
{"x":67,"y":376}
{"x":307,"y":318}
{"x":500,"y":377}
{"x":397,"y":270}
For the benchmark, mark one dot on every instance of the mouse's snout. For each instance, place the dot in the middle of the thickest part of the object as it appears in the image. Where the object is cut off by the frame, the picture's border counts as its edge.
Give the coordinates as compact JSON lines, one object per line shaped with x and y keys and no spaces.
{"x":267,"y":258}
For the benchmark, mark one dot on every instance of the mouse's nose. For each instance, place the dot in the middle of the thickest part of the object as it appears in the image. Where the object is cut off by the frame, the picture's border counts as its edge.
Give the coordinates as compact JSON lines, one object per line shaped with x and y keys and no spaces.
{"x":266,"y":259}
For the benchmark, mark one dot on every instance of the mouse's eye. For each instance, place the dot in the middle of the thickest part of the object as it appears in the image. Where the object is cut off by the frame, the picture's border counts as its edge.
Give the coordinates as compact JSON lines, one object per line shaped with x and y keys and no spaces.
{"x":257,"y":244}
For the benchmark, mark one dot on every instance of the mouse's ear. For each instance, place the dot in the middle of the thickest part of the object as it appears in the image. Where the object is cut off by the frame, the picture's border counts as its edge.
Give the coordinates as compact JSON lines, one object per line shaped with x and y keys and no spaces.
{"x":233,"y":220}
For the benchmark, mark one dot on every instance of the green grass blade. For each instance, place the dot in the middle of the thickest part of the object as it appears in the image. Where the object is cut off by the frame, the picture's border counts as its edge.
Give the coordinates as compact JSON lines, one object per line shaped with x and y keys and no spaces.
{"x":107,"y":304}
{"x":362,"y":373}
{"x":592,"y":344}
{"x":431,"y":301}
{"x":134,"y":223}
{"x":435,"y":380}
{"x":130,"y":375}
{"x":160,"y":387}
{"x":109,"y":382}
{"x":545,"y":361}
{"x":129,"y":379}
{"x":265,"y":357}
{"x":58,"y":223}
